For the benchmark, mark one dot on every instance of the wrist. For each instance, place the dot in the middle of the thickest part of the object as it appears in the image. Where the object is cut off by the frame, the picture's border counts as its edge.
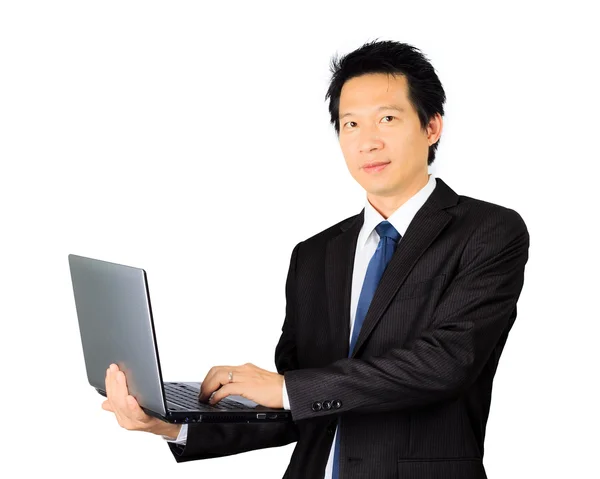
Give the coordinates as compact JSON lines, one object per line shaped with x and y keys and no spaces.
{"x":162,"y":428}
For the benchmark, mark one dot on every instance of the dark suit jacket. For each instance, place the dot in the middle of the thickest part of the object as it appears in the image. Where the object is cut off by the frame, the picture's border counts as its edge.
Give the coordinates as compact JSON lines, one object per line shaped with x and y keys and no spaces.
{"x":414,"y":397}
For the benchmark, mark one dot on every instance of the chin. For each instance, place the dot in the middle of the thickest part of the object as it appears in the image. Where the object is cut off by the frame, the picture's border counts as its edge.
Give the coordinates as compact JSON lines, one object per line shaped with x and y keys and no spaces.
{"x":380,"y":190}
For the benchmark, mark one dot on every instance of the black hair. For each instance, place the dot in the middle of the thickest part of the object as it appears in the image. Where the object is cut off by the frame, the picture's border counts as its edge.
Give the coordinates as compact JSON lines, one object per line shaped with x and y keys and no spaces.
{"x":425,"y":91}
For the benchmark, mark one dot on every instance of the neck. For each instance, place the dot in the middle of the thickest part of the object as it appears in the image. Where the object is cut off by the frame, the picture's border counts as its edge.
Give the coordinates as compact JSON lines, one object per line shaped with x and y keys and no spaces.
{"x":386,"y":205}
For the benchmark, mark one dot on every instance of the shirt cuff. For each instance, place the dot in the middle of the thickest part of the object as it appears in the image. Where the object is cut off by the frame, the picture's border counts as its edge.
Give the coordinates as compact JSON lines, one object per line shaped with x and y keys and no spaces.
{"x":286,"y":400}
{"x":181,"y":437}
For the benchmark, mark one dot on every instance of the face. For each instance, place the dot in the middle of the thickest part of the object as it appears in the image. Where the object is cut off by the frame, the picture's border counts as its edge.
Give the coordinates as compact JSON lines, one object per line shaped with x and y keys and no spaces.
{"x":379,"y":126}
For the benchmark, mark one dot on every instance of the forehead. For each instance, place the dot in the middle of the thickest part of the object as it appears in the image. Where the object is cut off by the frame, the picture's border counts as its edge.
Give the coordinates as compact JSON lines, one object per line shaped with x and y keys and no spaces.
{"x":367,"y":92}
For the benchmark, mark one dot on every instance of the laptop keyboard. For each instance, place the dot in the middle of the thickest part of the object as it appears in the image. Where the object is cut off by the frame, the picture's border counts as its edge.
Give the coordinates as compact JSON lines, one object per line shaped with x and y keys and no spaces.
{"x":188,"y":397}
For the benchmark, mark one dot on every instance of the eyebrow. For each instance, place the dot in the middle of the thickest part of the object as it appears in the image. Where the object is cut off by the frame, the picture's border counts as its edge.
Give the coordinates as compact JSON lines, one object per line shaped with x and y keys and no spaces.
{"x":384,"y":107}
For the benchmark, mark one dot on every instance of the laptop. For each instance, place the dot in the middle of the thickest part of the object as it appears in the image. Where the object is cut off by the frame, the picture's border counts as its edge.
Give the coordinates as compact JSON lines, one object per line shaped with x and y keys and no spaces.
{"x":116,"y":326}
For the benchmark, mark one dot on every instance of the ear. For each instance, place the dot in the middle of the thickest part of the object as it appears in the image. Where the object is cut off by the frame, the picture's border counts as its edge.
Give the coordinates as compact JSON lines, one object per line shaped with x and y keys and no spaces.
{"x":434,"y":128}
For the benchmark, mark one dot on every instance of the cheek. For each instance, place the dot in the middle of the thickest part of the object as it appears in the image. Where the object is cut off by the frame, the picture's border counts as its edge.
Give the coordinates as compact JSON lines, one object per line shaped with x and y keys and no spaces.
{"x":345,"y":144}
{"x":351,"y":154}
{"x":404,"y":148}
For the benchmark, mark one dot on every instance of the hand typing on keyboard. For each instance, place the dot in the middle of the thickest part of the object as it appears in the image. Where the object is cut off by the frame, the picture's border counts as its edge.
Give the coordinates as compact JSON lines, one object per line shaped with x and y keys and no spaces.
{"x":249,"y":381}
{"x":183,"y":395}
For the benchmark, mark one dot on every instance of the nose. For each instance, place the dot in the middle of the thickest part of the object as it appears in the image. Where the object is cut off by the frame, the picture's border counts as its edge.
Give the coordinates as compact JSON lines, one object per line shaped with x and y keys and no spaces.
{"x":369,"y":141}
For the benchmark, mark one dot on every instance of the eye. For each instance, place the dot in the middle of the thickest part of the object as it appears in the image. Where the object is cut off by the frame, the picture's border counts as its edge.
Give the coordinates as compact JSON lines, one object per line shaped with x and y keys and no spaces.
{"x":349,"y":123}
{"x":388,"y":116}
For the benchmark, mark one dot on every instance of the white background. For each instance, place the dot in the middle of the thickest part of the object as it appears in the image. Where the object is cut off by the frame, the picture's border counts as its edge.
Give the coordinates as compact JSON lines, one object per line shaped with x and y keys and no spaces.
{"x":168,"y":135}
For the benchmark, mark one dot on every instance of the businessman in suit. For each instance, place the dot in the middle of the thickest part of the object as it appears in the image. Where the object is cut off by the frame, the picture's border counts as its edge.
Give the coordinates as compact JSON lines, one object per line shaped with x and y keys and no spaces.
{"x":395,"y":317}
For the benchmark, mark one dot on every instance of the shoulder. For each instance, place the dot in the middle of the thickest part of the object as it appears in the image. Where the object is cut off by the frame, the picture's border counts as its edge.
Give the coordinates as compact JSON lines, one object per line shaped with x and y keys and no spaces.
{"x":488,"y":229}
{"x":314,"y":247}
{"x":322,"y":237}
{"x":487,"y":216}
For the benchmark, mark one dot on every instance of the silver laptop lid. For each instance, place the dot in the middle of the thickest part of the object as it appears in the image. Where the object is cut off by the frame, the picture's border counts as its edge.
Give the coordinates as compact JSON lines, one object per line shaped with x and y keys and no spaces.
{"x":116,"y":326}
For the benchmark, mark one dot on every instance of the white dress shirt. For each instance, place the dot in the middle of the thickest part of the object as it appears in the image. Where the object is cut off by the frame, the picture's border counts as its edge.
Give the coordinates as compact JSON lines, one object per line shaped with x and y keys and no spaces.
{"x":365,"y":248}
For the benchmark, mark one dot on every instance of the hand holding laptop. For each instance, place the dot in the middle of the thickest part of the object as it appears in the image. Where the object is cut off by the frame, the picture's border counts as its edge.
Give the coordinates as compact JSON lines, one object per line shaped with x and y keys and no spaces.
{"x":249,"y":381}
{"x":117,"y":331}
{"x":128,"y":412}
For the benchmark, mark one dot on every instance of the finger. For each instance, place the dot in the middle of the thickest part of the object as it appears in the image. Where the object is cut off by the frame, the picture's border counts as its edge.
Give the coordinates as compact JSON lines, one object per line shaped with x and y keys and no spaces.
{"x":238,"y":387}
{"x":110,"y":389}
{"x":106,"y":406}
{"x":120,"y":387}
{"x":212,"y":381}
{"x":227,"y":390}
{"x":132,"y":404}
{"x":113,"y":396}
{"x":112,"y":369}
{"x":116,"y":396}
{"x":209,"y":385}
{"x":121,"y":391}
{"x":110,"y":377}
{"x":134,"y":411}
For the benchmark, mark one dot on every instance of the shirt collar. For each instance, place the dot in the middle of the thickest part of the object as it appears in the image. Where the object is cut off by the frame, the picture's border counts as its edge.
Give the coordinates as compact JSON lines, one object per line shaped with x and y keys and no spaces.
{"x":401,"y":218}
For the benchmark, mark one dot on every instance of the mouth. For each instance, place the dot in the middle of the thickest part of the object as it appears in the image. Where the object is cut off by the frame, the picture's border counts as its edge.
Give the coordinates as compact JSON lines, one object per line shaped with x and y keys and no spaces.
{"x":375,"y":167}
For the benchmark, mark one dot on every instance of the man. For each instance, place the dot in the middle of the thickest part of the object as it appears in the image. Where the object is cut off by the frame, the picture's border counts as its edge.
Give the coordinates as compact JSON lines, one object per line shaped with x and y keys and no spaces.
{"x":395,"y":318}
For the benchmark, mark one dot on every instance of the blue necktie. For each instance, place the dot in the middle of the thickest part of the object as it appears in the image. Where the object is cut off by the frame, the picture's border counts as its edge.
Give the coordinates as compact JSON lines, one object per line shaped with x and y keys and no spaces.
{"x":388,"y":239}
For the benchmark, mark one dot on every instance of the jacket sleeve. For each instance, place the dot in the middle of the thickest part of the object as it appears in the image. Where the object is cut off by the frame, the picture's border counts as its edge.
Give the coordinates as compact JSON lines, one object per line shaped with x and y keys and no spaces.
{"x":205,"y":441}
{"x":472,"y":317}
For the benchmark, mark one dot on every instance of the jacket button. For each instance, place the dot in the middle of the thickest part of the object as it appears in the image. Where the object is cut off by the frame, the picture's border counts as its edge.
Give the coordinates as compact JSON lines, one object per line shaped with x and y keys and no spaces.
{"x":337,"y":404}
{"x":316,"y":406}
{"x":326,"y":405}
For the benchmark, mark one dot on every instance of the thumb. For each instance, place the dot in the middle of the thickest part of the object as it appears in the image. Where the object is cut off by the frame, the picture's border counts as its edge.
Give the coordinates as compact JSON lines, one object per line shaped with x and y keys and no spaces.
{"x":106,"y":406}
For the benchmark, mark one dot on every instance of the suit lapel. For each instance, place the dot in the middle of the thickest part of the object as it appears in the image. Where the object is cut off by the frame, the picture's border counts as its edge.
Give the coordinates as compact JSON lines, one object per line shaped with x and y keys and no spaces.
{"x":428,"y":223}
{"x":339,"y":266}
{"x":425,"y":227}
{"x":421,"y":232}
